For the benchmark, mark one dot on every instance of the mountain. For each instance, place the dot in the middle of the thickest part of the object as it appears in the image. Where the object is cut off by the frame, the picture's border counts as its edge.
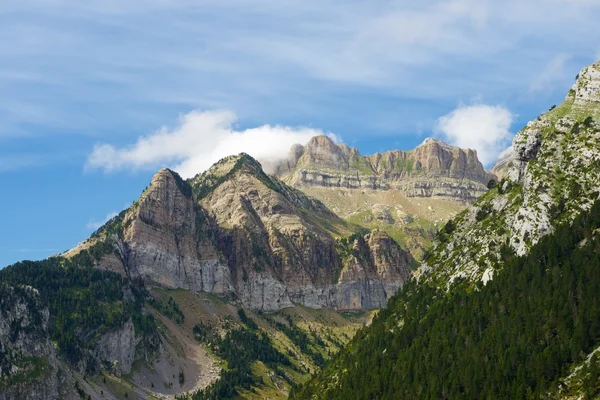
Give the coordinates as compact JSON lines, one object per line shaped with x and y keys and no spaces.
{"x":433,"y":169}
{"x":506,"y":303}
{"x":236,"y":232}
{"x":404,"y":193}
{"x":181,"y":281}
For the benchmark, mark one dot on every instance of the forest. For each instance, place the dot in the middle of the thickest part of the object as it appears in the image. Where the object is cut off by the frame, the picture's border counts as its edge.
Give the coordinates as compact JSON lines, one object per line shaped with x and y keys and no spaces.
{"x":83,"y":301}
{"x":241,"y":347}
{"x":509,"y":339}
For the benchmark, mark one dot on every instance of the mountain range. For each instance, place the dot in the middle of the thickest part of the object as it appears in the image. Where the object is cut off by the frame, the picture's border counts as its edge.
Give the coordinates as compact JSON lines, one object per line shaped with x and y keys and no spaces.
{"x":241,"y":283}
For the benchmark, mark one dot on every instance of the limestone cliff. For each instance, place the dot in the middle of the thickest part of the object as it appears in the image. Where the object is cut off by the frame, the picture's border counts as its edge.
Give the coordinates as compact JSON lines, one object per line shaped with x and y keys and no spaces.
{"x":239,"y":233}
{"x":408,"y":194}
{"x":433,"y":169}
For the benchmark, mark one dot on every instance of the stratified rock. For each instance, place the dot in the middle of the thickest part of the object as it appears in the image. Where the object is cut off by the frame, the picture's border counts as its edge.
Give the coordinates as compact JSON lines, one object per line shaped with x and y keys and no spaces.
{"x":433,"y":169}
{"x":239,"y":233}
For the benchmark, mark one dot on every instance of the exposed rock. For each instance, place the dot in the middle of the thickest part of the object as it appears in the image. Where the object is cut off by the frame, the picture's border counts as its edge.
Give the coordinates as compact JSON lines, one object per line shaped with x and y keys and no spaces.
{"x":587,"y":86}
{"x":168,"y":240}
{"x":29,"y":364}
{"x":432,"y":169}
{"x":236,"y":232}
{"x":551,"y":174}
{"x":118,"y":348}
{"x":527,"y":144}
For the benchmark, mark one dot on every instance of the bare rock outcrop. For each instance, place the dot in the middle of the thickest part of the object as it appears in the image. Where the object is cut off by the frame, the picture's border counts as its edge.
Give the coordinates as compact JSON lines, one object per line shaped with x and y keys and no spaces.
{"x":29,"y":363}
{"x":433,"y":169}
{"x":239,"y":233}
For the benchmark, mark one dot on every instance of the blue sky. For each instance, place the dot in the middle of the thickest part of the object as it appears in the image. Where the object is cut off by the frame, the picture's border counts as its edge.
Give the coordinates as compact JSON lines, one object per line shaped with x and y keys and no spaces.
{"x":96,"y":97}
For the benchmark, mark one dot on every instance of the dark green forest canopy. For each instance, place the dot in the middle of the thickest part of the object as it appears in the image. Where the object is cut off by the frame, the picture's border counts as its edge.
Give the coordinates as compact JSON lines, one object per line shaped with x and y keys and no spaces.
{"x":83,"y":301}
{"x":509,"y":339}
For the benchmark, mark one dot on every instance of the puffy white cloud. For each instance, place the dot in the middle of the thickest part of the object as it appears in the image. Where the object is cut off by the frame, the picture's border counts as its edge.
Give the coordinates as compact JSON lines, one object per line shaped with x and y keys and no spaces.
{"x":482,"y":127}
{"x":94,"y":225}
{"x":200,"y":139}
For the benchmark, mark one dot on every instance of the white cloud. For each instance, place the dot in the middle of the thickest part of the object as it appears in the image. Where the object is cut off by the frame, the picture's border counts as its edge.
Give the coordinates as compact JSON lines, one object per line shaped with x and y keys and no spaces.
{"x":484,"y":128}
{"x":94,"y":225}
{"x":551,"y":73}
{"x":200,"y":139}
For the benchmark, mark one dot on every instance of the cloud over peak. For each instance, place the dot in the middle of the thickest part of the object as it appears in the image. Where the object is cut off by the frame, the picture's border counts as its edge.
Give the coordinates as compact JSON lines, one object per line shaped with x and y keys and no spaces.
{"x":485,"y":128}
{"x":200,"y":139}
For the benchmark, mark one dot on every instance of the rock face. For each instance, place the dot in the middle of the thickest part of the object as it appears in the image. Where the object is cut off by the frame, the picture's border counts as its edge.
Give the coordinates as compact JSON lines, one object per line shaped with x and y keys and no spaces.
{"x":239,"y":233}
{"x":29,"y":365}
{"x":169,"y":241}
{"x":587,"y":86}
{"x":433,"y":169}
{"x":549,"y":174}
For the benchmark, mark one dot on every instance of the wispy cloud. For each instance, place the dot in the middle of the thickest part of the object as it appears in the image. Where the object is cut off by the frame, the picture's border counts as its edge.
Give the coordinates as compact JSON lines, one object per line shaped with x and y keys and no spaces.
{"x":267,"y":60}
{"x":199,"y":140}
{"x":17,"y":161}
{"x":95,"y":224}
{"x":552,"y":72}
{"x":482,"y":127}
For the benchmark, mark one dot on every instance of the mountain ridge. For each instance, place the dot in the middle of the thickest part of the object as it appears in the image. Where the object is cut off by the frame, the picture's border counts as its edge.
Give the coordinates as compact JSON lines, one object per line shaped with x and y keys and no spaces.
{"x":236,"y":232}
{"x":444,"y":335}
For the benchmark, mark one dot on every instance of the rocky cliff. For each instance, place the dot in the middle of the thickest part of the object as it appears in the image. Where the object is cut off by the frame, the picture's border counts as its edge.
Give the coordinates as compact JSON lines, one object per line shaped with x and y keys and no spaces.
{"x":241,"y":234}
{"x":433,"y":169}
{"x":407,"y":194}
{"x":549,"y":174}
{"x":29,"y":363}
{"x":505,"y":276}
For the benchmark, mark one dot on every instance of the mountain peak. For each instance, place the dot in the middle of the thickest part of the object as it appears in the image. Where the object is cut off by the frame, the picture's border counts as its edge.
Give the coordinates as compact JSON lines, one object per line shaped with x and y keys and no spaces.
{"x":435,"y":141}
{"x":226,"y":168}
{"x":587,"y":85}
{"x":321,"y":141}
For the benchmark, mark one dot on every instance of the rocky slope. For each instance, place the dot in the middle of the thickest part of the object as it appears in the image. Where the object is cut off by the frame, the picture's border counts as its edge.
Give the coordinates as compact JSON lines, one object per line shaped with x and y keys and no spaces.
{"x":433,"y":169}
{"x":525,"y":233}
{"x":238,"y":233}
{"x":550,"y":173}
{"x":407,"y":194}
{"x":29,"y":366}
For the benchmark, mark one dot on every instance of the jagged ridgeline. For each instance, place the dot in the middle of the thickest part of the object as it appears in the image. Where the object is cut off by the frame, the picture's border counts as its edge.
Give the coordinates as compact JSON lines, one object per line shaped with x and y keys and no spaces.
{"x":133,"y":308}
{"x":506,"y":304}
{"x":407,"y":194}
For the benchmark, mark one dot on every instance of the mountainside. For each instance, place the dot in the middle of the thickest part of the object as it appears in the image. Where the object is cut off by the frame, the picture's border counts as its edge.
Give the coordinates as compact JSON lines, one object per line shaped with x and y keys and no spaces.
{"x":109,"y":317}
{"x":505,"y":305}
{"x":404,"y":193}
{"x":236,"y":232}
{"x":433,"y":169}
{"x":551,"y":173}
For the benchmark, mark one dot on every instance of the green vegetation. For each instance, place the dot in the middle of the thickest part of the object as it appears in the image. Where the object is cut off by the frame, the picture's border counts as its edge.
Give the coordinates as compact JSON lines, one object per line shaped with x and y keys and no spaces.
{"x":31,"y":369}
{"x":509,"y":339}
{"x":83,"y":301}
{"x":302,"y":340}
{"x":241,"y":348}
{"x":345,"y":246}
{"x":249,"y":322}
{"x":204,"y":184}
{"x":168,"y":307}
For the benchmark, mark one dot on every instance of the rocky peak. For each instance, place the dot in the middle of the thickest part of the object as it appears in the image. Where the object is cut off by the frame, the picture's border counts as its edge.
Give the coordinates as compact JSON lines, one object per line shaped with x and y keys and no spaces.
{"x":548,"y":175}
{"x":417,"y":172}
{"x":237,"y":232}
{"x":586,"y":89}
